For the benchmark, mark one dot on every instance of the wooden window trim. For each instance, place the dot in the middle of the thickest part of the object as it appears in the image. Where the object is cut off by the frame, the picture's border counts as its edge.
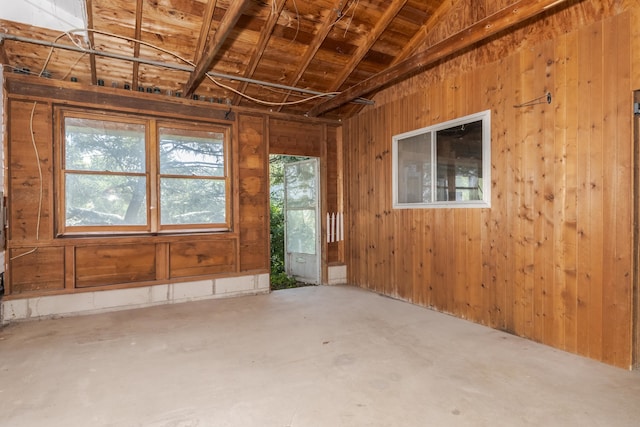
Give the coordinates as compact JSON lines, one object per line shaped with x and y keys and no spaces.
{"x":152,"y":175}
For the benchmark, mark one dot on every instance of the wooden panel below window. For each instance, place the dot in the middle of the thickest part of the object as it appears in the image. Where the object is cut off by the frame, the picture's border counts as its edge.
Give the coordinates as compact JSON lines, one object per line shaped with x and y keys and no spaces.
{"x":106,"y":265}
{"x":41,"y":270}
{"x":200,"y":258}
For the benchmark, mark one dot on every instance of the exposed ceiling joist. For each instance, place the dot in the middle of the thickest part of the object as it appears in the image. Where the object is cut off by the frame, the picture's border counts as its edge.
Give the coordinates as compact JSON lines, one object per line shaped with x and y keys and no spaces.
{"x":207,"y":19}
{"x":328,"y":22}
{"x":224,"y":29}
{"x":260,"y":47}
{"x":92,"y":57}
{"x":388,"y":16}
{"x":481,"y":30}
{"x":419,"y":38}
{"x":136,"y":47}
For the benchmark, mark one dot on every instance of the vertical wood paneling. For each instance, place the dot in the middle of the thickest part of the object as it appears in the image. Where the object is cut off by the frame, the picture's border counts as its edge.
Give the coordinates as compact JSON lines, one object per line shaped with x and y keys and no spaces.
{"x":567,"y":143}
{"x":558,"y":186}
{"x":253,"y":194}
{"x":28,"y":191}
{"x":551,"y":326}
{"x":583,"y":194}
{"x":616,"y":128}
{"x":596,"y":183}
{"x":551,"y":259}
{"x":531,"y":119}
{"x":332,"y":164}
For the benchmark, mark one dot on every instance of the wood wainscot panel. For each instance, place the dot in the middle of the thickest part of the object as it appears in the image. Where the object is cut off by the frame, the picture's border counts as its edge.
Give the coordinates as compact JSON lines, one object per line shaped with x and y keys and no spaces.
{"x":200,"y":258}
{"x":108,"y":265}
{"x":36,"y":270}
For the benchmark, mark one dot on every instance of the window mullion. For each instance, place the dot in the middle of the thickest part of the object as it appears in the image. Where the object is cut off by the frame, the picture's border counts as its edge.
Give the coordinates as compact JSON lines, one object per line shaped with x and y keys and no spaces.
{"x":434,"y":168}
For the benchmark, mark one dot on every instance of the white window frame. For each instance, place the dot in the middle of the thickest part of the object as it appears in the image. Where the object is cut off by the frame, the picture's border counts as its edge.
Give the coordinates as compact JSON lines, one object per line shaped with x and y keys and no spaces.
{"x":485,"y":202}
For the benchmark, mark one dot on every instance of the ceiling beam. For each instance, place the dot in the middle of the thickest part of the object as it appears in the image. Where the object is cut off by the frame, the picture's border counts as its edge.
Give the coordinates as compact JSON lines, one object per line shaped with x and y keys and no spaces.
{"x":136,"y":47}
{"x":205,"y":29}
{"x":370,"y":39}
{"x":92,"y":57}
{"x":500,"y":21}
{"x":419,"y":38}
{"x":224,"y":29}
{"x":265,"y":35}
{"x":326,"y":26}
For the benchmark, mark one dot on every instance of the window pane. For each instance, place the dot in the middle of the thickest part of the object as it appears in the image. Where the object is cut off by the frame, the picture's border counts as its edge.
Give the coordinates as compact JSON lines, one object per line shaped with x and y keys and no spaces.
{"x":459,"y":154}
{"x":301,"y":231}
{"x":414,"y":169}
{"x":193,"y":153}
{"x":192,"y":201}
{"x":100,"y":145}
{"x":301,"y":185}
{"x":105,"y":200}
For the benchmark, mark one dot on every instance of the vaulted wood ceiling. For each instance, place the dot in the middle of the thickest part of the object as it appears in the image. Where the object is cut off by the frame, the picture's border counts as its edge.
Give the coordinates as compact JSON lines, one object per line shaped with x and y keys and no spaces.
{"x":251,"y":52}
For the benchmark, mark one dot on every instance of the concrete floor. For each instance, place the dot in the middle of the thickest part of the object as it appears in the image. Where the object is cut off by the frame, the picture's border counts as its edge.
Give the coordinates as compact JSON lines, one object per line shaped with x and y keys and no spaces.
{"x":315,"y":356}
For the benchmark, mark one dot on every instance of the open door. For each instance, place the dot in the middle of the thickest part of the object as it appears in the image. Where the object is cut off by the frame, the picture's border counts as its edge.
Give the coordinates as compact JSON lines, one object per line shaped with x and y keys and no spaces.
{"x":302,"y":220}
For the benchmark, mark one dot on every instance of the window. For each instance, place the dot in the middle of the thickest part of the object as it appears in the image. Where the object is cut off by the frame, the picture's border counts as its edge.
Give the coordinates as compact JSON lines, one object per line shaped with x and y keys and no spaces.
{"x":120,"y":174}
{"x":445,"y":165}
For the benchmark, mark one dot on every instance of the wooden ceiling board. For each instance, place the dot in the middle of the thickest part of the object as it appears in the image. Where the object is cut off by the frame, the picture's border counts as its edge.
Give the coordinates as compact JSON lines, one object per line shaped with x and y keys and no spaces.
{"x":417,"y":12}
{"x":323,"y":45}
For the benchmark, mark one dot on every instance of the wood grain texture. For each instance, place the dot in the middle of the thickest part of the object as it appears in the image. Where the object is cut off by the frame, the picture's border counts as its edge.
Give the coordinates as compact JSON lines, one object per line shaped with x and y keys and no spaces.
{"x":66,"y":265}
{"x":200,"y":258}
{"x":253,"y":193}
{"x":551,"y":260}
{"x":110,"y":264}
{"x":35,"y":271}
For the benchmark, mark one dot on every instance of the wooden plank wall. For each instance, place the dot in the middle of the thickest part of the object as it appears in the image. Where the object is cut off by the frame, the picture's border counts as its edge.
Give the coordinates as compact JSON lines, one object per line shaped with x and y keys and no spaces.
{"x":552,"y":259}
{"x":41,"y":264}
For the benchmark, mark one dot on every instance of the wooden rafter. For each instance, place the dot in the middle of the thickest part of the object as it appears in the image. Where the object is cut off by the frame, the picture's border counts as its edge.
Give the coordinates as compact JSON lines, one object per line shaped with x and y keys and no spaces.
{"x":260,"y":47}
{"x":207,"y":19}
{"x":388,"y":16}
{"x":481,"y":30}
{"x":224,"y":29}
{"x":312,"y":49}
{"x":92,"y":57}
{"x":136,"y":47}
{"x":419,"y":38}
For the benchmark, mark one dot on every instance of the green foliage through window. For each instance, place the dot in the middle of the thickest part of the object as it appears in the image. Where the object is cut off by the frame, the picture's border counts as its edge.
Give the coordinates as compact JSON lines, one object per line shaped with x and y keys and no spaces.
{"x":112,"y":180}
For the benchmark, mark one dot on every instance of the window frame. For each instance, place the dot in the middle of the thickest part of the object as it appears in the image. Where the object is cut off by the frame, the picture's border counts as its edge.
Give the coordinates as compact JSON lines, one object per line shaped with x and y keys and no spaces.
{"x":484,"y":202}
{"x":181,"y":125}
{"x":152,"y":175}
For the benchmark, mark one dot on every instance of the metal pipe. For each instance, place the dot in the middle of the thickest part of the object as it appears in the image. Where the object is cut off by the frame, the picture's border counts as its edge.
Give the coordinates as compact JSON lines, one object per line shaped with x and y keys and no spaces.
{"x":178,"y":67}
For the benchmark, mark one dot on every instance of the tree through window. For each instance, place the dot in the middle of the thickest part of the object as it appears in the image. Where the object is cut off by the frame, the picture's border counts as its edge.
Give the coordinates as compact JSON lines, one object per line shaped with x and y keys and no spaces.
{"x":123,"y":174}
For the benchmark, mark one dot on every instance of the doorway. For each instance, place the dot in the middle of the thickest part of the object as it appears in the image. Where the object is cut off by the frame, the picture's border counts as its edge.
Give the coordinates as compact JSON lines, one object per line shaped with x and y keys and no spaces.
{"x":295,"y":221}
{"x":302,"y":220}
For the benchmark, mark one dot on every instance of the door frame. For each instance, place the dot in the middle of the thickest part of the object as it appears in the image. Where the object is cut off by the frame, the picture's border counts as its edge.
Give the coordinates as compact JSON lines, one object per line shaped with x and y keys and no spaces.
{"x":319,"y":258}
{"x":635,"y":356}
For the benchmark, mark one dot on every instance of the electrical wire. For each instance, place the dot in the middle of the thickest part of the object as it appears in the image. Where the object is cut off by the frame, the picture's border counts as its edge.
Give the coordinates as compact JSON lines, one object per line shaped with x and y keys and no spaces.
{"x":35,"y":149}
{"x":70,"y":34}
{"x":186,"y":61}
